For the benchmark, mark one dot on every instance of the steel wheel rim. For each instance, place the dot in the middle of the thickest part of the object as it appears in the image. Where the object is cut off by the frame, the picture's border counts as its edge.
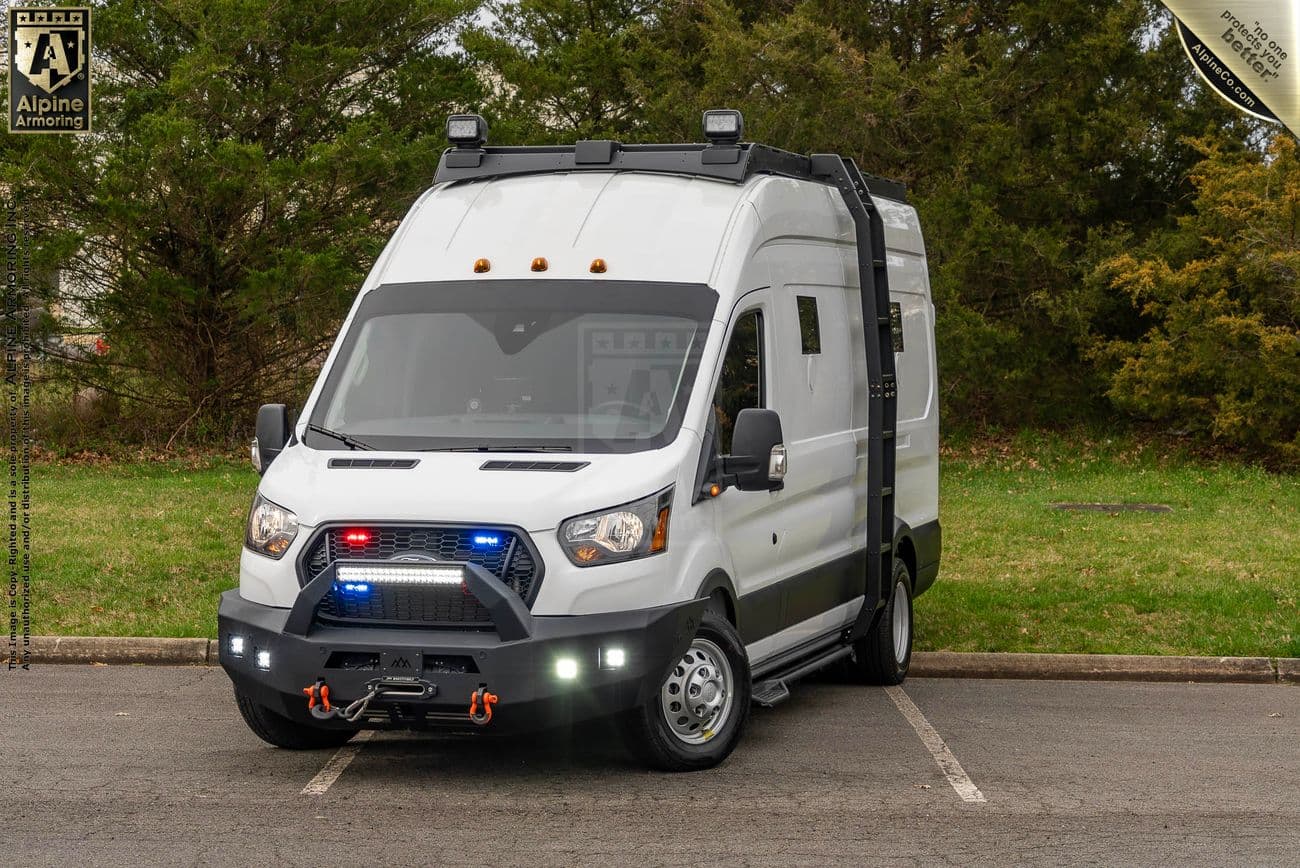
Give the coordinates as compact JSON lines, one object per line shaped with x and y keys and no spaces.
{"x":902,"y":623}
{"x":697,"y":696}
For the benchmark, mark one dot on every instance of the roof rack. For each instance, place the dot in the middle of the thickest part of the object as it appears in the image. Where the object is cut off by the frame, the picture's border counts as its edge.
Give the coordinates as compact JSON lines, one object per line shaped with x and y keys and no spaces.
{"x":726,"y":158}
{"x":735,"y":163}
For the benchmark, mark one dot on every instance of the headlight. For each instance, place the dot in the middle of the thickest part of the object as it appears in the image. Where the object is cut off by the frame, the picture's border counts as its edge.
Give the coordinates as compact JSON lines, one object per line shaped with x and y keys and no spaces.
{"x":634,"y":530}
{"x":271,"y":528}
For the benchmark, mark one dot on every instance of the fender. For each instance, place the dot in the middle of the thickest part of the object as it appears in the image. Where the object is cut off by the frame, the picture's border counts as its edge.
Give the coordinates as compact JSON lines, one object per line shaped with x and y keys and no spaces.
{"x":718,"y":580}
{"x":905,"y":546}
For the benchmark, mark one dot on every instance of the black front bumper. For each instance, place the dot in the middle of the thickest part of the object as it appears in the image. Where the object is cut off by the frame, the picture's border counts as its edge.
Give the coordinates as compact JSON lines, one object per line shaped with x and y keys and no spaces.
{"x":517,"y":662}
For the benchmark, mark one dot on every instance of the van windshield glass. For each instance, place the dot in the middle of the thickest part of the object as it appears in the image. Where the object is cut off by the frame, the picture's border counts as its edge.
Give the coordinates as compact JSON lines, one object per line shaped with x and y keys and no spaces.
{"x":534,"y":365}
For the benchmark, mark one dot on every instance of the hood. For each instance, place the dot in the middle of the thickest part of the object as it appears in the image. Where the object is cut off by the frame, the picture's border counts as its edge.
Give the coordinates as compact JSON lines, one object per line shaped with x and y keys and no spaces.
{"x":455,"y":487}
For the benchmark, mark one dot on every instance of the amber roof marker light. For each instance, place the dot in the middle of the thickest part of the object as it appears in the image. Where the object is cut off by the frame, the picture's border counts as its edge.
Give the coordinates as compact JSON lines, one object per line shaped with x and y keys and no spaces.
{"x":598,"y":266}
{"x":540,"y":264}
{"x":482,"y":266}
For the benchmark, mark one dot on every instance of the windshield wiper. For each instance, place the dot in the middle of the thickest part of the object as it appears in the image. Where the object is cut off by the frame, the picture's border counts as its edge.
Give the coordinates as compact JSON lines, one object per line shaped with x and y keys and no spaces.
{"x":535,"y":447}
{"x":347,"y":440}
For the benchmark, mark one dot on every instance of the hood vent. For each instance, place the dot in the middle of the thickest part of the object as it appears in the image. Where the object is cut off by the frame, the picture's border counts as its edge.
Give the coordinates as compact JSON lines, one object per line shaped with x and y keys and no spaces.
{"x":376,"y":463}
{"x":550,"y":466}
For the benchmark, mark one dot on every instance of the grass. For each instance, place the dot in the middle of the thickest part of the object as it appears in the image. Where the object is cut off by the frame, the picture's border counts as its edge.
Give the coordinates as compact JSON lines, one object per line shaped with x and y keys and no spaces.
{"x":1220,"y":575}
{"x":138,"y":549}
{"x":143,"y":549}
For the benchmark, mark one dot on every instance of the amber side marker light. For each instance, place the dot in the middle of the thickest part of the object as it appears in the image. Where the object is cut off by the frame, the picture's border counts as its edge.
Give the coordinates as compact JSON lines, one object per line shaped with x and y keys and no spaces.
{"x":715,"y":490}
{"x":540,"y":264}
{"x":481,"y":266}
{"x":598,"y":266}
{"x":587,"y":554}
{"x":659,"y":541}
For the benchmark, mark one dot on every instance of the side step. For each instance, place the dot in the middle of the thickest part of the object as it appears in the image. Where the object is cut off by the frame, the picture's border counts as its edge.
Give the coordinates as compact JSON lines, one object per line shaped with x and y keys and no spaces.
{"x":775,"y":689}
{"x":770,"y":693}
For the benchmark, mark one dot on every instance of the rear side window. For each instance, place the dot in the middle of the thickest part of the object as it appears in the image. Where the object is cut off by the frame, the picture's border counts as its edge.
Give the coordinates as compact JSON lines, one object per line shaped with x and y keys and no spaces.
{"x":741,"y":382}
{"x":809,"y":332}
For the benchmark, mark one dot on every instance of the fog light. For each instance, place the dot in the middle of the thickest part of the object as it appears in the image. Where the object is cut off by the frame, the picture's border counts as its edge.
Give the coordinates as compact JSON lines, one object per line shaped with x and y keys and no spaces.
{"x":566,"y":668}
{"x":236,"y":646}
{"x":263,"y":659}
{"x":612,"y":658}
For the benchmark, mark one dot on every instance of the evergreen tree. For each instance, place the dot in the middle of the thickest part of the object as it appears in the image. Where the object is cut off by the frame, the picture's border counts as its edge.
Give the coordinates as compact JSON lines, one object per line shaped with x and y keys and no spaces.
{"x":249,"y":160}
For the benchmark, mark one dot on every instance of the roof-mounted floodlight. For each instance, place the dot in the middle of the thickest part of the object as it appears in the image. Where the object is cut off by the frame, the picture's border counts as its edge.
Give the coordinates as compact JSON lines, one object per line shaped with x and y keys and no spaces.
{"x":723,"y":126}
{"x":467,"y":131}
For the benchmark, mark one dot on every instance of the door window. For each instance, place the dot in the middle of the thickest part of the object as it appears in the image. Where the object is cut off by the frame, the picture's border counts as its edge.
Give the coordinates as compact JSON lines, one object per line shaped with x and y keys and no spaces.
{"x":741,"y":383}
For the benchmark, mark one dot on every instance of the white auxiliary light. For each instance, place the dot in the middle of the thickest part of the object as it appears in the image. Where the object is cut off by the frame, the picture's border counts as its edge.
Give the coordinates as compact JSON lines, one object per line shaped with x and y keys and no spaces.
{"x":466,"y":131}
{"x":613,"y":658}
{"x":263,"y":659}
{"x":566,"y":668}
{"x":723,"y":126}
{"x":402,"y":575}
{"x":236,"y":646}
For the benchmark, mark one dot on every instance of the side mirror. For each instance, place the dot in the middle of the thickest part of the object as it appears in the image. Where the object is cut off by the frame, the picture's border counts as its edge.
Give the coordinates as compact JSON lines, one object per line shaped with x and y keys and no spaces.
{"x":758,"y":462}
{"x":272,"y":433}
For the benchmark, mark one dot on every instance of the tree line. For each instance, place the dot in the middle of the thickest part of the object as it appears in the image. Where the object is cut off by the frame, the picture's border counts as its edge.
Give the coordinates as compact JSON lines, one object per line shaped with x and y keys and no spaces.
{"x":1110,"y":243}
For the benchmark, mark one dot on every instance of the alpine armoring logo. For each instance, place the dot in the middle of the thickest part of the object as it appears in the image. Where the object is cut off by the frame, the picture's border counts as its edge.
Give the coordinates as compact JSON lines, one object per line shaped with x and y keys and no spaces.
{"x":49,"y":69}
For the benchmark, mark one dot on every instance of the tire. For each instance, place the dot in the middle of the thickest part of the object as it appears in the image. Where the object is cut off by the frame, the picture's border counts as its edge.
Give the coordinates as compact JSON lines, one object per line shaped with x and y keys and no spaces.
{"x":280,"y":731}
{"x":881,"y":657}
{"x":688,"y":744}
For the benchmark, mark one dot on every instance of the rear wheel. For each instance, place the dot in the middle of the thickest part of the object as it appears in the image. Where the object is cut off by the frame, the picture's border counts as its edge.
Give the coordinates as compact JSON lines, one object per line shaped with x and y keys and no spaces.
{"x":885,"y":653}
{"x":280,"y":731}
{"x":696,"y":717}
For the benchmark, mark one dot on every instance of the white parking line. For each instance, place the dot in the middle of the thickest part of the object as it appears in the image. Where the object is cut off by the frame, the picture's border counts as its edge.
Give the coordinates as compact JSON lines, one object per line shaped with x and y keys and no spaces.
{"x":318,"y":785}
{"x":934,"y":743}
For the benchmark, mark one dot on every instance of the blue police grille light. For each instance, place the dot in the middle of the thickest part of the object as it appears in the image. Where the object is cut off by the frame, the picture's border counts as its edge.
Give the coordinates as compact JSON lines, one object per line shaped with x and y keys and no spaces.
{"x":486,"y":539}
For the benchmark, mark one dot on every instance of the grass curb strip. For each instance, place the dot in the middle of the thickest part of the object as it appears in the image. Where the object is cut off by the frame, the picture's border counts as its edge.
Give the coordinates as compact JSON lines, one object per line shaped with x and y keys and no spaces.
{"x":925,"y":664}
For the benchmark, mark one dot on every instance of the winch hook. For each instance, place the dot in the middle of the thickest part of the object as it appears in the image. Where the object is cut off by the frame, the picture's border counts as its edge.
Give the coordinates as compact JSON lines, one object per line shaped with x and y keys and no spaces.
{"x":318,"y":703}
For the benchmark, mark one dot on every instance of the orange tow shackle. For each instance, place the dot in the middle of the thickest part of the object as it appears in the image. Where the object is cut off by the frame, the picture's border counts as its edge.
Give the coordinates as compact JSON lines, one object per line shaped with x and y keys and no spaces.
{"x":481,"y":716}
{"x":318,"y":692}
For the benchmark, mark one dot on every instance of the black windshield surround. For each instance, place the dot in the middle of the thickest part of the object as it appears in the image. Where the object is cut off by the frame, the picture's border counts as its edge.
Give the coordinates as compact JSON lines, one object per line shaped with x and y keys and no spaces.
{"x":558,"y":308}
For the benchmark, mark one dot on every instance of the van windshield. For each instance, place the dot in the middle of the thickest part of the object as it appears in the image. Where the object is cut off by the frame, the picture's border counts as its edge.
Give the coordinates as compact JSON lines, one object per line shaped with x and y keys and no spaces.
{"x":504,"y":365}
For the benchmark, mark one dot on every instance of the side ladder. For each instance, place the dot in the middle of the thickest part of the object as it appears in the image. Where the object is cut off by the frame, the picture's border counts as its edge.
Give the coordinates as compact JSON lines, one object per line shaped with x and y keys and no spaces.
{"x":882,"y":379}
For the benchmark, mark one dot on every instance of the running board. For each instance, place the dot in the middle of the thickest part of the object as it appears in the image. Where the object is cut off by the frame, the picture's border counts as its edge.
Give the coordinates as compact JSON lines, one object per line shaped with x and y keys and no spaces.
{"x":776,"y":688}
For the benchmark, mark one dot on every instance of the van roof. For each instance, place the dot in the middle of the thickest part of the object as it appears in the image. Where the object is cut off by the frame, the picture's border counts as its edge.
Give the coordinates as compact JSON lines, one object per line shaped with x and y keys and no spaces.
{"x":650,"y":227}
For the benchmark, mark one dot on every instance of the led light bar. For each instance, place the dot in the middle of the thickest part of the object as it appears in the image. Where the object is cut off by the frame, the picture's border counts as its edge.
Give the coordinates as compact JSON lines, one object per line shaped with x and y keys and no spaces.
{"x":406,"y":574}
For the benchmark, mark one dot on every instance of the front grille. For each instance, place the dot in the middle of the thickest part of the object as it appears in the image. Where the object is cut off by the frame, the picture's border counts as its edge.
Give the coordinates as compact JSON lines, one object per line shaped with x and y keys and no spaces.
{"x":439,"y":605}
{"x":509,"y":558}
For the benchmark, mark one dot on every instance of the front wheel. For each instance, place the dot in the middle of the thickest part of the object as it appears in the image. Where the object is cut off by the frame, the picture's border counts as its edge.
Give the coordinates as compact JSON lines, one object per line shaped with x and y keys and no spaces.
{"x":885,"y":653}
{"x":695,"y":719}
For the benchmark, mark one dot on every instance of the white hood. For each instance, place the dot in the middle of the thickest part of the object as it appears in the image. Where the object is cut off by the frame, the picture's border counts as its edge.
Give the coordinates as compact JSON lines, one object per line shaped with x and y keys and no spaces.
{"x":452,"y":487}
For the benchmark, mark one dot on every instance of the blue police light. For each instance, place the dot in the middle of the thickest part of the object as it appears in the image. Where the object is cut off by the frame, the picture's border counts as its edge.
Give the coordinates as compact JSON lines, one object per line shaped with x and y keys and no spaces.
{"x":356,"y":587}
{"x":486,"y":539}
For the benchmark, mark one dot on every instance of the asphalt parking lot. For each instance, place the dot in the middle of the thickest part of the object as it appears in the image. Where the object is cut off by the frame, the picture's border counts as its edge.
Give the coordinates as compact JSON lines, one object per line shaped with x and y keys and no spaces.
{"x":123,"y":765}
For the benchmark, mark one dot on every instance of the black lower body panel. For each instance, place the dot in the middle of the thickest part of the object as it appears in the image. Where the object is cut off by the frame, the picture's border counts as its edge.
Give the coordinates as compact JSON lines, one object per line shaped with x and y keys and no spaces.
{"x":928,"y":539}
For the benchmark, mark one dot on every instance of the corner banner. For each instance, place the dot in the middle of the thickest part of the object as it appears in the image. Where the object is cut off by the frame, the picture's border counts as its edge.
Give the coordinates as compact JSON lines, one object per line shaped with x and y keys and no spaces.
{"x":1246,"y":50}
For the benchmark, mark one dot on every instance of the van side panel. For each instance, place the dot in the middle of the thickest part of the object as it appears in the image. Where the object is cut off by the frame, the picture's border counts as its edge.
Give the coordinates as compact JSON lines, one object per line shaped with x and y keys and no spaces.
{"x":916,"y":489}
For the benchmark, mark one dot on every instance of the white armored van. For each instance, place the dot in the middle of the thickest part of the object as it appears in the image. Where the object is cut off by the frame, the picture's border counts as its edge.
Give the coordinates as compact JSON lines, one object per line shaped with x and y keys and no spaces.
{"x":647,"y":431}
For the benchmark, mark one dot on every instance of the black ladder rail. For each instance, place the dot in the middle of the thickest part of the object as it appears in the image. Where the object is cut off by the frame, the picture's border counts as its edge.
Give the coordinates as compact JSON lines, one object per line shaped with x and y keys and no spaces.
{"x":882,"y":382}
